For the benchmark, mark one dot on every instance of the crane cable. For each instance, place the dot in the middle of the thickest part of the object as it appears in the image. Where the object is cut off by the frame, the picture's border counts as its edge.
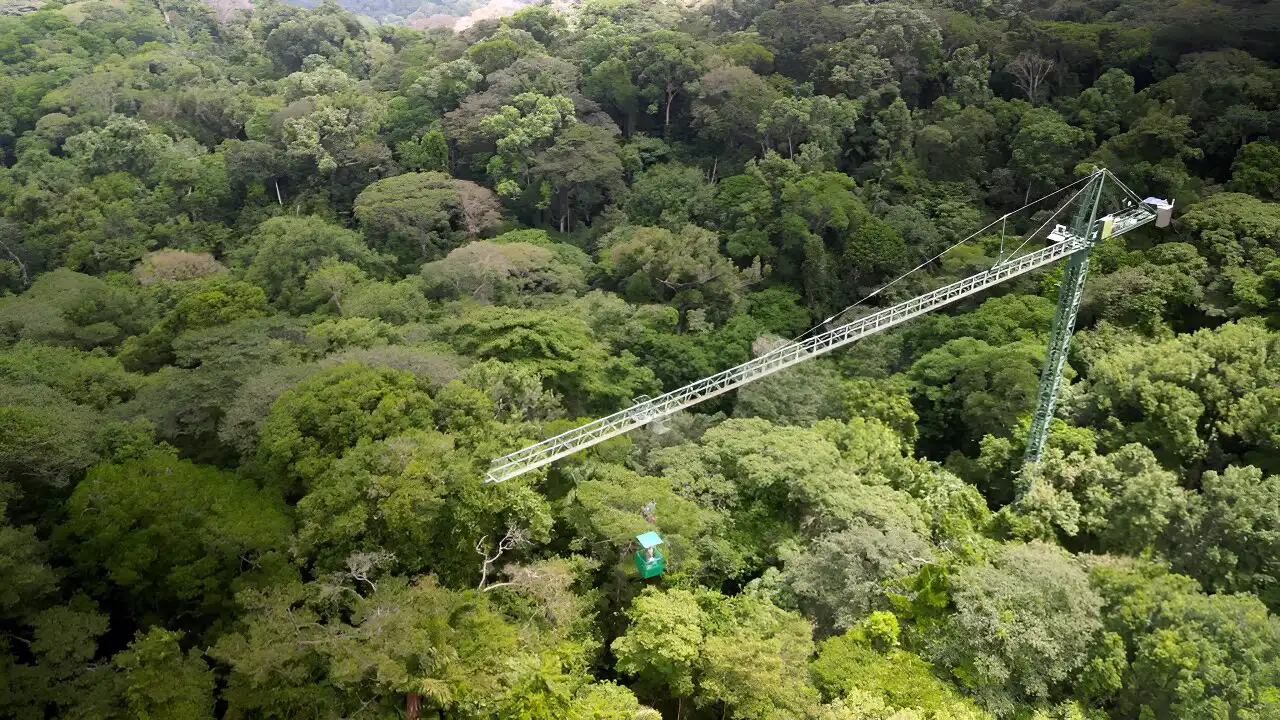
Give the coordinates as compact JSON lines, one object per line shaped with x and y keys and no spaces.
{"x":903,"y":276}
{"x":1045,"y":224}
{"x":1106,"y":174}
{"x":1124,"y":187}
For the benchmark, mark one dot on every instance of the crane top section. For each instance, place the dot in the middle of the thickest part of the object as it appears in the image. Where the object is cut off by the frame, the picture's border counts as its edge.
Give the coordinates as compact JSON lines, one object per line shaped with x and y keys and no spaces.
{"x":1064,"y":242}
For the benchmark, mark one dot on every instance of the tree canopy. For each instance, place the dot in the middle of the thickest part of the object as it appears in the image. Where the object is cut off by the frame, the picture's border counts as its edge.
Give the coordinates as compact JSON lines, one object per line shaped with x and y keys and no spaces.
{"x":279,"y":280}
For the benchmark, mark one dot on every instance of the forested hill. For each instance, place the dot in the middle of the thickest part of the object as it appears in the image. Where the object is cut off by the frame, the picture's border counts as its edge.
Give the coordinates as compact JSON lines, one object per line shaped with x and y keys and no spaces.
{"x":277,"y":285}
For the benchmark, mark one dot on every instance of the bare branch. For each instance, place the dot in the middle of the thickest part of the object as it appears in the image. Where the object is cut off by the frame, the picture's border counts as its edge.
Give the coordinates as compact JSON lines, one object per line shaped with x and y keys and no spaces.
{"x":361,"y":565}
{"x":1029,"y":71}
{"x":515,"y":537}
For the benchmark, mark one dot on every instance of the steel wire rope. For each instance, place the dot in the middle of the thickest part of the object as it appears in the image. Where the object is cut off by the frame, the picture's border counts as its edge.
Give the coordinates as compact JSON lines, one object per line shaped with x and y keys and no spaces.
{"x":1124,"y":187}
{"x":1045,"y":224}
{"x":957,"y":244}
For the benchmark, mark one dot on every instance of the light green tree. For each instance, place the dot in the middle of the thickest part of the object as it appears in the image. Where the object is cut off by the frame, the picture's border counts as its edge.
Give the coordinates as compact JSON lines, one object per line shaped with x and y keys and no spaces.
{"x":559,"y":348}
{"x":284,"y":251}
{"x":664,"y":640}
{"x":1188,"y":654}
{"x":1044,"y":147}
{"x":1227,"y":535}
{"x":1022,"y":626}
{"x":519,"y":130}
{"x":666,"y":65}
{"x":419,"y":217}
{"x":684,"y":269}
{"x":313,"y":424}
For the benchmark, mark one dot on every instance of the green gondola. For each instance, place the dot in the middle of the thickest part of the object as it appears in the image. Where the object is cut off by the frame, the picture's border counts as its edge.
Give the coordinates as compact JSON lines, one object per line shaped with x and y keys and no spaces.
{"x":649,"y":560}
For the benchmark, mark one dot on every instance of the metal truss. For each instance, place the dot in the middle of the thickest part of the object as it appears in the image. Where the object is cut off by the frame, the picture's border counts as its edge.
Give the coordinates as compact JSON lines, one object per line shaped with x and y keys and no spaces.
{"x":543,"y":453}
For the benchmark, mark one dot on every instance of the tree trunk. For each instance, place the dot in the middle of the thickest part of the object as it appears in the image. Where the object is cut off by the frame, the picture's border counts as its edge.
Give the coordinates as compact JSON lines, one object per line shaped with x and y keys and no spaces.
{"x":411,"y":706}
{"x":279,"y":197}
{"x":22,"y":267}
{"x":667,"y":118}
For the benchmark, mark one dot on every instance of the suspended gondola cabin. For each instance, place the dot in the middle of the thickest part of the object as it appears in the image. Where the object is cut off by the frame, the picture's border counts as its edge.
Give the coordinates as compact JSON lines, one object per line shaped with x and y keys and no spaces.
{"x":649,"y":560}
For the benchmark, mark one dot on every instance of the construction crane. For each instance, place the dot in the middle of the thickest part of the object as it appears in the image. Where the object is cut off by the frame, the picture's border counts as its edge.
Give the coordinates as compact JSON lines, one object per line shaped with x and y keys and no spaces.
{"x":1072,"y":242}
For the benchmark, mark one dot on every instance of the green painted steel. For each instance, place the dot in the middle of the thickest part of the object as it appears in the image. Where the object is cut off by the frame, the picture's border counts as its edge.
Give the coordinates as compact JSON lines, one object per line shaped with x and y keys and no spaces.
{"x":649,"y":565}
{"x":649,"y":560}
{"x":1074,"y":272}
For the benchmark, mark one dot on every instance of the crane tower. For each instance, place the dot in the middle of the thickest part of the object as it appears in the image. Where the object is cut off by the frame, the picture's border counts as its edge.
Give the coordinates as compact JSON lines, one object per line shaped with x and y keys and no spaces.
{"x":1071,"y":242}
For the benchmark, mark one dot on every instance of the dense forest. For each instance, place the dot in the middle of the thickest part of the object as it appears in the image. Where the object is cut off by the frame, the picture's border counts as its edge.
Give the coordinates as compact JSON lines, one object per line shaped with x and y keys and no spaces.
{"x":278,"y":284}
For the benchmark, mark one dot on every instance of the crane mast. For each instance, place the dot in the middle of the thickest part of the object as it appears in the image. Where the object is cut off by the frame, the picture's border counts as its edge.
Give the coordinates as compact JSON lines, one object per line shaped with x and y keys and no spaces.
{"x":1071,"y":242}
{"x":1074,"y":272}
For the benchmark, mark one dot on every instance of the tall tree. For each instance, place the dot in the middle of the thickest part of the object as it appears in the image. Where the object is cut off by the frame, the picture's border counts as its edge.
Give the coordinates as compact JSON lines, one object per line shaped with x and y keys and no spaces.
{"x":666,"y":64}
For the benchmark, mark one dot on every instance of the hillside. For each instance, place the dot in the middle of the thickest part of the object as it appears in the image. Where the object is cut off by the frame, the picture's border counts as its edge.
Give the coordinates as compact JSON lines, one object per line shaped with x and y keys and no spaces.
{"x":276,"y":286}
{"x":455,"y":15}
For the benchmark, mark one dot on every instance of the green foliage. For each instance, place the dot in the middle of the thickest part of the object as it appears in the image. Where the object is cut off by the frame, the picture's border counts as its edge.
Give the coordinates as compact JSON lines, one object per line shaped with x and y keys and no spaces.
{"x":796,"y":396}
{"x":603,"y":511}
{"x":559,"y":348}
{"x":1256,"y":170}
{"x":313,"y":424}
{"x":865,"y":668}
{"x":351,"y":259}
{"x":519,"y":131}
{"x":66,"y":308}
{"x":664,"y":640}
{"x":284,"y":251}
{"x":685,"y":269}
{"x":202,"y":306}
{"x":80,"y":377}
{"x":1190,"y":654}
{"x":23,"y":560}
{"x":742,"y":654}
{"x":408,"y":495}
{"x":885,"y":401}
{"x":578,"y":174}
{"x":968,"y":388}
{"x":505,"y":273}
{"x":1227,"y":534}
{"x":1123,"y":502}
{"x":429,"y":153}
{"x":161,"y":679}
{"x":843,"y":577}
{"x":421,"y":216}
{"x":1043,"y":147}
{"x":393,"y":637}
{"x":1208,"y":385}
{"x":49,"y":440}
{"x":772,"y":479}
{"x":1022,"y":626}
{"x":756,"y":666}
{"x":1235,"y":233}
{"x":173,"y":535}
{"x":665,"y":63}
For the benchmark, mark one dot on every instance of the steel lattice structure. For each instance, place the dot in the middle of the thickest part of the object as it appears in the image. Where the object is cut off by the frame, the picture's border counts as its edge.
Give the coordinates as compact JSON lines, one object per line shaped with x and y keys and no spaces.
{"x":1073,"y":242}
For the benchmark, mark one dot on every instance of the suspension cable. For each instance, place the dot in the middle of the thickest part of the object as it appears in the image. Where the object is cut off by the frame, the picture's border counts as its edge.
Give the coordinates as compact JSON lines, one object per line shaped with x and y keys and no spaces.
{"x":1124,"y":187}
{"x":1045,"y":224}
{"x":957,"y":244}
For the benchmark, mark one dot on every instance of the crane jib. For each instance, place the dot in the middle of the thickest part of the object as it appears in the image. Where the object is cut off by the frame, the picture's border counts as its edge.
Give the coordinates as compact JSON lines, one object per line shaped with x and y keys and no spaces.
{"x":642,"y":413}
